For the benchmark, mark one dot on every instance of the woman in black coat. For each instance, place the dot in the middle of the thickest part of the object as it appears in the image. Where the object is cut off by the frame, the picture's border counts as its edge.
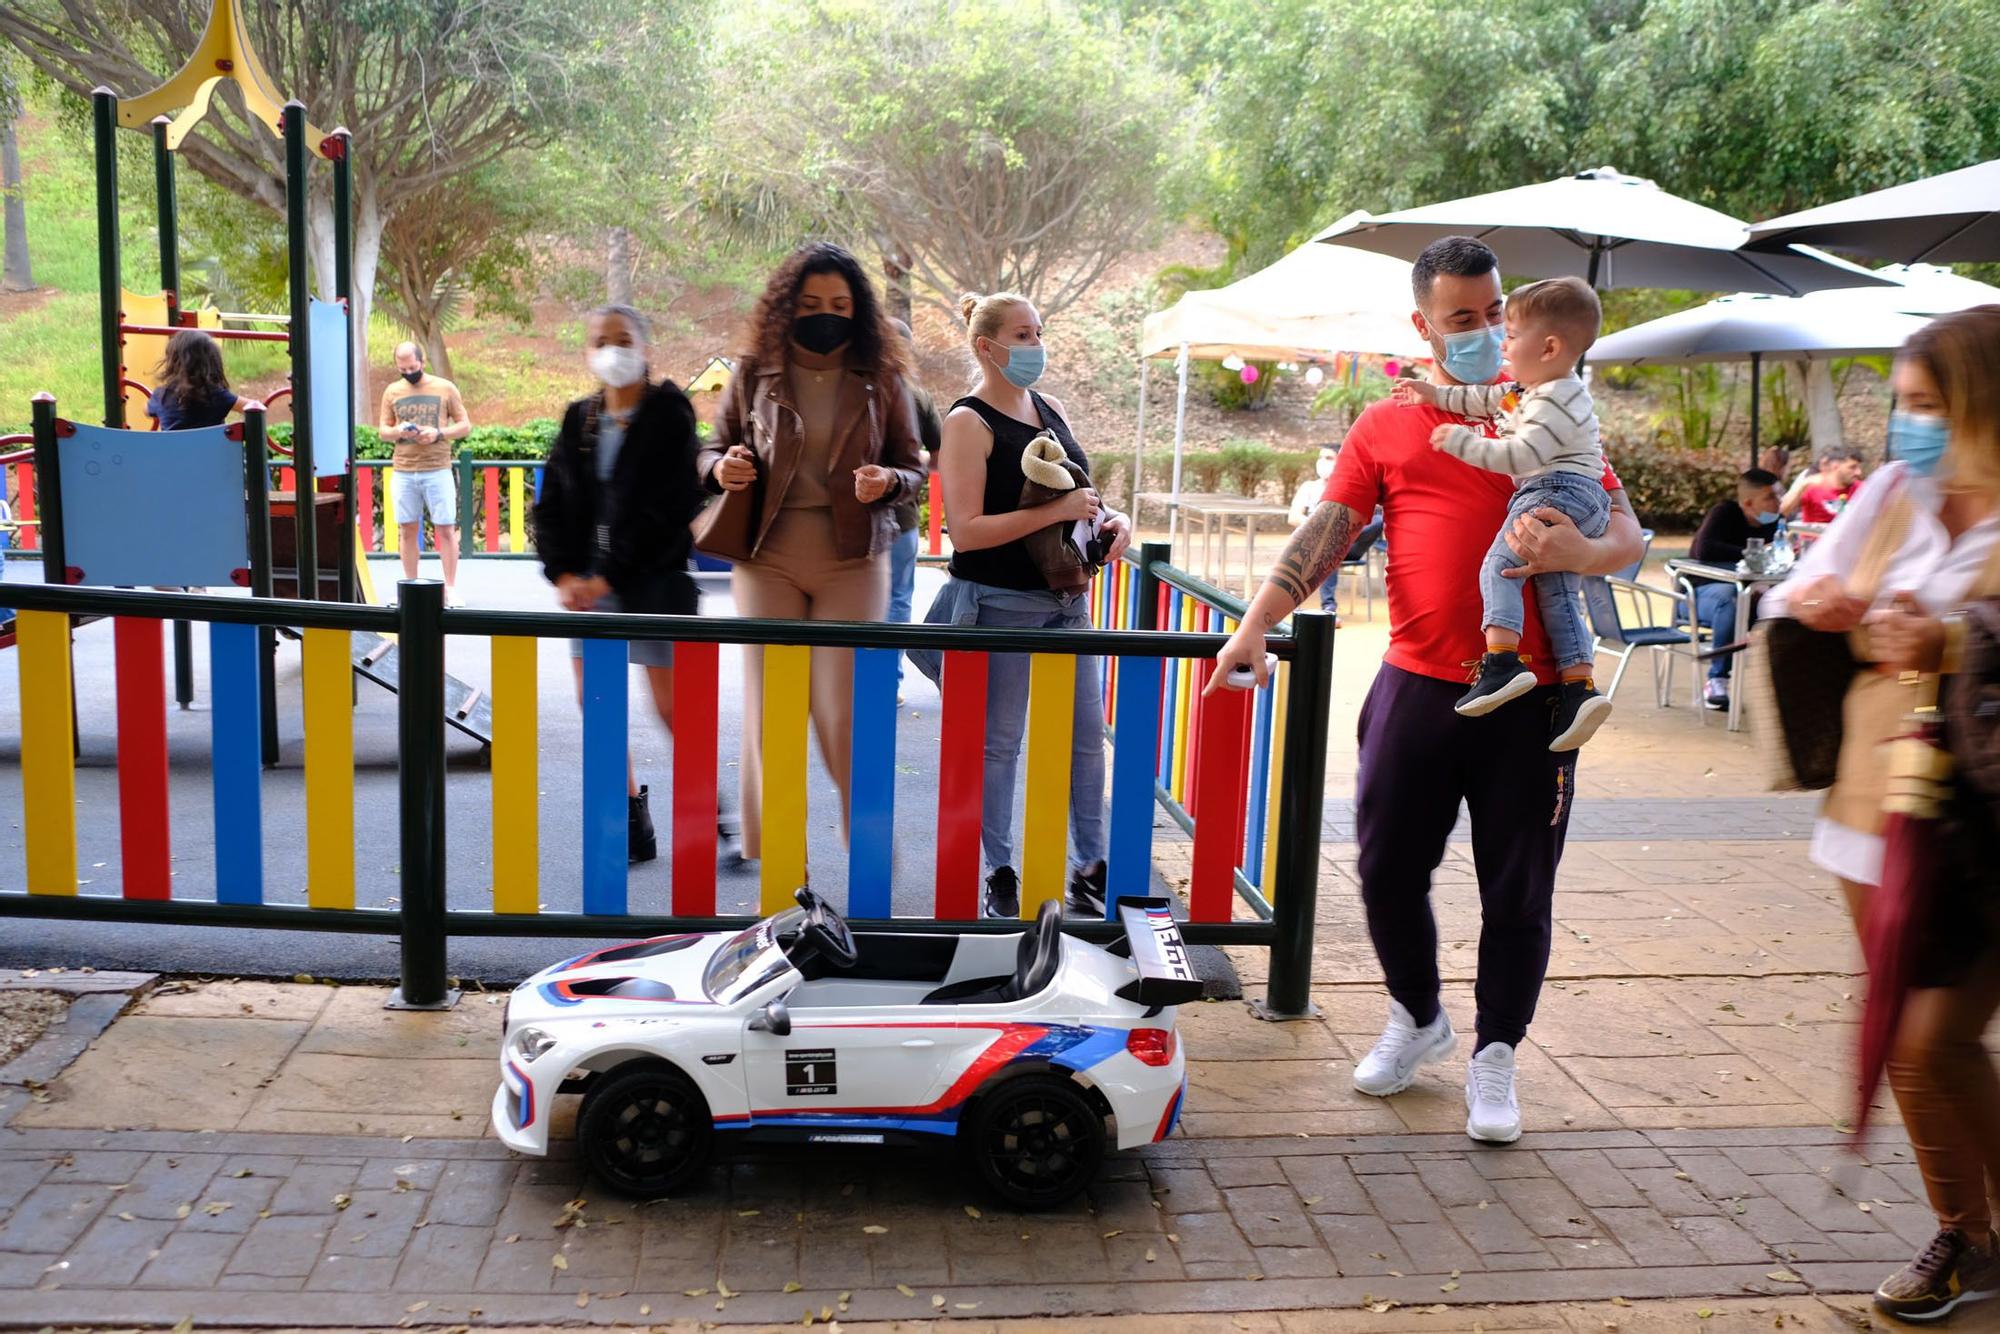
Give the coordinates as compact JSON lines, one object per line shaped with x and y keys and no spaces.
{"x":611,"y":523}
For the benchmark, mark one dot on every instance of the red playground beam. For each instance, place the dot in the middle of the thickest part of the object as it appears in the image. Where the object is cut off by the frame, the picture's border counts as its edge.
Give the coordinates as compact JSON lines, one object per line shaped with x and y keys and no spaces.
{"x":244,"y":335}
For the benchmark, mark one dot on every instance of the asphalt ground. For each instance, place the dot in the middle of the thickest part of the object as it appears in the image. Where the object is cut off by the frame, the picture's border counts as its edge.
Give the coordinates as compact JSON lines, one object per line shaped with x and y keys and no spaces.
{"x":485,"y":583}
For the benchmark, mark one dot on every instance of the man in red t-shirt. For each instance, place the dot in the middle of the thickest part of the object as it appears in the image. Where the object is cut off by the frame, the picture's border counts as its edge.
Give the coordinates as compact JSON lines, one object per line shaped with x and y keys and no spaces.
{"x":1822,"y":498}
{"x":1419,"y":759}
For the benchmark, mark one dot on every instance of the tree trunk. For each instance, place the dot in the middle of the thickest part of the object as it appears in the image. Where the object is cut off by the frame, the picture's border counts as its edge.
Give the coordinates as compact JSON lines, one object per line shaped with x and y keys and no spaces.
{"x":367,"y":261}
{"x":896,"y":277}
{"x":15,"y":275}
{"x":618,"y":267}
{"x":1822,"y":406}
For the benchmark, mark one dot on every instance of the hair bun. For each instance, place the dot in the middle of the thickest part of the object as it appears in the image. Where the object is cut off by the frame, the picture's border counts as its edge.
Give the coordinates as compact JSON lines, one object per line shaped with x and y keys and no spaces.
{"x":967,"y":304}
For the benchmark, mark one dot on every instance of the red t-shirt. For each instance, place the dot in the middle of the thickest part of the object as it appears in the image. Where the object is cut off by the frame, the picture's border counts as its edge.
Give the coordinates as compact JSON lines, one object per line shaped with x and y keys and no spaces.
{"x":1440,"y":515}
{"x":1822,"y":503}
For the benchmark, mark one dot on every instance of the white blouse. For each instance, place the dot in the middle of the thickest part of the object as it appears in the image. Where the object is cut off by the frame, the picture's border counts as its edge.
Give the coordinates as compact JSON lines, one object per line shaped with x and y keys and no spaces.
{"x":1929,"y":566}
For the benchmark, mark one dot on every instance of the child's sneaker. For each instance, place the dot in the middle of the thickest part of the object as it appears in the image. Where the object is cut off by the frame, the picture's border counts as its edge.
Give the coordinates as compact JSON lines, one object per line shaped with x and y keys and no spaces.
{"x":1501,"y":679}
{"x":1580,"y":711}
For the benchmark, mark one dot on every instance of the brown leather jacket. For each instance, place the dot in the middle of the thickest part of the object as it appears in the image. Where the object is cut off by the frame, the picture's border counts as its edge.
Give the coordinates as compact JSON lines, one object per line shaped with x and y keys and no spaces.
{"x":876,"y":423}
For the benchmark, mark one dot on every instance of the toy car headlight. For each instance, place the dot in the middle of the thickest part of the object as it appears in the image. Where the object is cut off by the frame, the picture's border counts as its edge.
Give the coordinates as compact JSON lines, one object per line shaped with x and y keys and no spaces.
{"x":533,"y":1042}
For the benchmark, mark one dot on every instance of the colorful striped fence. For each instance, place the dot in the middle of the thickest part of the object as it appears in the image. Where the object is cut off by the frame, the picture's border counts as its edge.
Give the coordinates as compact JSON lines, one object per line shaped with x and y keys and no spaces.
{"x":1227,"y":754}
{"x":494,"y":497}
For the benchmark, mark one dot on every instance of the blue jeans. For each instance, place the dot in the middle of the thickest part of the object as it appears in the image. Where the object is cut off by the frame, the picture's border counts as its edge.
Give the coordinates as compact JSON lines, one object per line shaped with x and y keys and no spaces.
{"x":1007,"y":720}
{"x":902,"y":581}
{"x":1715,"y":607}
{"x":1584,"y":500}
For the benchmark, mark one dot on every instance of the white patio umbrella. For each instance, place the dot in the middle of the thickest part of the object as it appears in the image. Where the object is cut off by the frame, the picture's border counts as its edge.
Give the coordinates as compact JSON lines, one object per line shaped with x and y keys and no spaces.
{"x":1609,"y":229}
{"x":1315,"y":302}
{"x":1821,"y":325}
{"x":1952,"y":218}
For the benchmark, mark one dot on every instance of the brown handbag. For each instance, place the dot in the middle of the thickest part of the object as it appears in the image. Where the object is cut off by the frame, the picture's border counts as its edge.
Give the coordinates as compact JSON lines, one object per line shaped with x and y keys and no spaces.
{"x":727,"y":529}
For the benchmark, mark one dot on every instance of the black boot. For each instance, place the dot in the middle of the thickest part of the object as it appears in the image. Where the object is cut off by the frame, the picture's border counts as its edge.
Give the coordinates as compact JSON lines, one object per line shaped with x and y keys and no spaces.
{"x":640,"y":844}
{"x":1086,"y":890}
{"x":1003,"y":893}
{"x":728,"y":831}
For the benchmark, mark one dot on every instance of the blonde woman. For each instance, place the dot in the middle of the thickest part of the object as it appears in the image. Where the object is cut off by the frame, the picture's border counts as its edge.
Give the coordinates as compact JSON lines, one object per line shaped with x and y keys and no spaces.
{"x":1918,"y":541}
{"x":996,"y":580}
{"x":818,"y":425}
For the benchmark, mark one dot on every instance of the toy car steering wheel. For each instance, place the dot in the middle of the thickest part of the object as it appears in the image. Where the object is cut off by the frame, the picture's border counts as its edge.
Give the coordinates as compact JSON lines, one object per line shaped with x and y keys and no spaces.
{"x":825,"y":932}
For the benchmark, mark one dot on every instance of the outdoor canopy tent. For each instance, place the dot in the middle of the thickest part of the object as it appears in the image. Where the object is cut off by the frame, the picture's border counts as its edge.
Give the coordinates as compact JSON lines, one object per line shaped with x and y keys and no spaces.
{"x":1833,"y":323}
{"x":1315,"y":302}
{"x":1952,"y":218}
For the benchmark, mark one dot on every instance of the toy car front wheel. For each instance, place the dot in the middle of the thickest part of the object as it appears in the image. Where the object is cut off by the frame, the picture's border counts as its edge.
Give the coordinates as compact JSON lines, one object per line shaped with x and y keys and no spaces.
{"x":645,"y":1132}
{"x":1035,"y":1141}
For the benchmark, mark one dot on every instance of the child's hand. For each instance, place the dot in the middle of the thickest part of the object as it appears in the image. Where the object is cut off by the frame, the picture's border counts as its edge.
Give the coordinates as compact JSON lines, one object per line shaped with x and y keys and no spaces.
{"x":1414,"y":393}
{"x":1440,"y":435}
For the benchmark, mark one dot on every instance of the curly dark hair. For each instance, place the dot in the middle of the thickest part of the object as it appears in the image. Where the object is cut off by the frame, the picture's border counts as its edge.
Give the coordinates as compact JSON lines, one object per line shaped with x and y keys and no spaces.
{"x":191,"y":371}
{"x":874,"y":346}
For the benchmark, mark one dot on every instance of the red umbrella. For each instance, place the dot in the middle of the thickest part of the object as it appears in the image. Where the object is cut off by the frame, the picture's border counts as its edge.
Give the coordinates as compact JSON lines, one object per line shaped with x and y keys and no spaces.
{"x":1899,"y":910}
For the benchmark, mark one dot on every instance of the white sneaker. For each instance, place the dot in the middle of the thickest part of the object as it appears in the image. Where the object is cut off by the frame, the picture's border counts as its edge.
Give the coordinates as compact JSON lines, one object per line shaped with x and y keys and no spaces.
{"x":1494,"y":1115}
{"x":451,"y":597}
{"x":1404,"y":1047}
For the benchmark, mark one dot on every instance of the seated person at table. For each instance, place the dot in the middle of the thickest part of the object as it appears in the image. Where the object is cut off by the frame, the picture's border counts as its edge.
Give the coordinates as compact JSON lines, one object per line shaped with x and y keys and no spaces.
{"x":1822,"y":498}
{"x":1728,"y":528}
{"x":1547,"y":441}
{"x":1308,"y":497}
{"x":192,"y":392}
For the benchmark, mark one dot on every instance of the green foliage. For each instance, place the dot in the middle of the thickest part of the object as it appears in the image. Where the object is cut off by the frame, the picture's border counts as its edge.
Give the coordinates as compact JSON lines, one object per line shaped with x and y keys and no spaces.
{"x":530,"y":441}
{"x":1227,"y":389}
{"x":1785,"y":422}
{"x":1347,"y":400}
{"x":1291,"y":467}
{"x":1202,"y":469}
{"x":1698,"y":412}
{"x":1672,"y":487}
{"x":1247,"y":463}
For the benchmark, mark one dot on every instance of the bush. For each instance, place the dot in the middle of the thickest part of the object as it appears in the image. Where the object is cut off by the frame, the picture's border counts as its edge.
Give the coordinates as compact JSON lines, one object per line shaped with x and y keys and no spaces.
{"x":1346,"y":401}
{"x":1672,"y":487}
{"x":1247,"y":463}
{"x":1201,"y":470}
{"x":529,"y":441}
{"x":1291,"y":467}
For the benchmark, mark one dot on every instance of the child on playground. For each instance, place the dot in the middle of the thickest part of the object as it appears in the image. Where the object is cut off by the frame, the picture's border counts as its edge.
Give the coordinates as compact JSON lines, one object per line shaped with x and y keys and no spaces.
{"x":1547,"y":439}
{"x":191,"y":392}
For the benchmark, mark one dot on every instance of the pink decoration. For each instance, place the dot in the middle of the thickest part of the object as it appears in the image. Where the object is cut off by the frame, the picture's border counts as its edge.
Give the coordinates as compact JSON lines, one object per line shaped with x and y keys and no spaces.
{"x":1249,"y":374}
{"x":1392,"y":369}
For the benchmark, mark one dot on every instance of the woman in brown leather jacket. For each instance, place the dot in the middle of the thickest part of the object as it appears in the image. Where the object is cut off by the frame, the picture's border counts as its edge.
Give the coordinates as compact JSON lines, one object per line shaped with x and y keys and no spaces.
{"x":818,"y":425}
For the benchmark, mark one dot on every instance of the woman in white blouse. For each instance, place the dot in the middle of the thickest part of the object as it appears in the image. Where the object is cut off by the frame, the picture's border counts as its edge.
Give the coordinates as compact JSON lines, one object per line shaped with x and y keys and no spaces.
{"x":1921,"y":539}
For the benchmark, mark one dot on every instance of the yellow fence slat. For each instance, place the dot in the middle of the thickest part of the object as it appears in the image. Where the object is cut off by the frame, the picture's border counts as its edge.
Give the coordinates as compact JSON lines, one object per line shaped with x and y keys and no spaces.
{"x":1045,"y":832}
{"x":516,"y":809}
{"x":390,"y":537}
{"x":329,"y":710}
{"x":787,"y":678}
{"x":517,"y":510}
{"x":1183,"y":711}
{"x":1275,"y":788}
{"x":48,"y":759}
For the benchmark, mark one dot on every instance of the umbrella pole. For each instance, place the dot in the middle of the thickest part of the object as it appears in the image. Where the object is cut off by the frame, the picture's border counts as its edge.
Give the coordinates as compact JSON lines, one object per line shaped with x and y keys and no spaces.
{"x":1139,"y":445}
{"x":1756,"y":387}
{"x":1180,"y":444}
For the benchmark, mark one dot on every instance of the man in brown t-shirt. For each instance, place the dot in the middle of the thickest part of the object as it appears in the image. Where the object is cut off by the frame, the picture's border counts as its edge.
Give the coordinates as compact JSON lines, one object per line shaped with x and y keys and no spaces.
{"x":422,"y":416}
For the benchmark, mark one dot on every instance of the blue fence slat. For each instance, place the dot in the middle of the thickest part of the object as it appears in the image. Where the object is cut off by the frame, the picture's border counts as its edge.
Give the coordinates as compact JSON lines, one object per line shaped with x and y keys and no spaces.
{"x":604,"y":767}
{"x":1260,"y":785}
{"x":1137,"y":724}
{"x":236,"y":758}
{"x":872,"y":818}
{"x":1167,"y":716}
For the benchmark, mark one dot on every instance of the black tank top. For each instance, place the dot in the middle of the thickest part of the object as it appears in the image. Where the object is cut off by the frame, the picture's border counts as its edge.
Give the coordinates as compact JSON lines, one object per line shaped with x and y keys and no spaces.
{"x":1010,"y":566}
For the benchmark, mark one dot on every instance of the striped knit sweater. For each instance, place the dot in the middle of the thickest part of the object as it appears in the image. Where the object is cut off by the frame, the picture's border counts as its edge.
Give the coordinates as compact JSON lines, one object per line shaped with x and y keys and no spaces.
{"x":1549,"y":428}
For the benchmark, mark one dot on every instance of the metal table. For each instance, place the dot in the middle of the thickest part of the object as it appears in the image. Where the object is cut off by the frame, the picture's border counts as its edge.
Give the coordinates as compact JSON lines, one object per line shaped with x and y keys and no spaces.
{"x":1682,"y":571}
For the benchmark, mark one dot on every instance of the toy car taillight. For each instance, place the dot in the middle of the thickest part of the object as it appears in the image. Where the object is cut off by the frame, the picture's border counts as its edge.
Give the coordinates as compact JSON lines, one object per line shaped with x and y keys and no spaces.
{"x":1153,"y":1046}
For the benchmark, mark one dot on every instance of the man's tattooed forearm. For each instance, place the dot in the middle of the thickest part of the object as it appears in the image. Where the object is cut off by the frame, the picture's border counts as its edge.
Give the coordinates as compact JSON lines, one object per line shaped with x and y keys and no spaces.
{"x":1315,"y":550}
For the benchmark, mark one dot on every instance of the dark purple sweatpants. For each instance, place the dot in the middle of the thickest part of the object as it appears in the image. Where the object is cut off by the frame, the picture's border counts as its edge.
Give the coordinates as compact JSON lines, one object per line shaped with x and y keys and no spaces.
{"x":1418,"y":761}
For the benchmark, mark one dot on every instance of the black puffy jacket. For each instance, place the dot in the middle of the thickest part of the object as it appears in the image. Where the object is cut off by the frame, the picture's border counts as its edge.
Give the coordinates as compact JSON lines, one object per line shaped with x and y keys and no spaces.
{"x":658,"y":496}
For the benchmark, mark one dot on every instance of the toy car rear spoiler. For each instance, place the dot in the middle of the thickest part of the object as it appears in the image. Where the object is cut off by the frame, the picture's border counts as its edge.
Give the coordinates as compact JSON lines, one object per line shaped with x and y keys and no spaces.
{"x":1153,"y":940}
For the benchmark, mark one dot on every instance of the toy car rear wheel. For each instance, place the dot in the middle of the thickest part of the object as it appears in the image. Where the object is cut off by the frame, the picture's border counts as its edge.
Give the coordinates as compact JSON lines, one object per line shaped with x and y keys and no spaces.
{"x":1035,"y":1141}
{"x":645,"y":1132}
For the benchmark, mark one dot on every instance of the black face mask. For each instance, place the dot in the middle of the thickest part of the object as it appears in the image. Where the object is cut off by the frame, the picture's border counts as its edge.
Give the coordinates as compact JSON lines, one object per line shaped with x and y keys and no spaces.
{"x":821,"y":333}
{"x":415,"y":375}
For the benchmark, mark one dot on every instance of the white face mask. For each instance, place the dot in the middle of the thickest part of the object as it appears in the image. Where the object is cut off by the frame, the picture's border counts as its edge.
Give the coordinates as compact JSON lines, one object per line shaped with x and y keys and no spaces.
{"x":618,"y":366}
{"x":1324,"y":468}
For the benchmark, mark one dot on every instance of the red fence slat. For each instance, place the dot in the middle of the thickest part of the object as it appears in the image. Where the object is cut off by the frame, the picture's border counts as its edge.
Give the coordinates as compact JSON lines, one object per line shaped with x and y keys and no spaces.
{"x":492,"y":490}
{"x":696,"y":683}
{"x":961,"y":779}
{"x":142,"y":758}
{"x":1221,"y":786}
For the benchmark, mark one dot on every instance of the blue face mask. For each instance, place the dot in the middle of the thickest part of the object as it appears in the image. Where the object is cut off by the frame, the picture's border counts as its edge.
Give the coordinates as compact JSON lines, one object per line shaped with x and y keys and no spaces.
{"x":1025,"y":364}
{"x":1473,"y":357}
{"x":1765,"y":518}
{"x":1918,"y":439}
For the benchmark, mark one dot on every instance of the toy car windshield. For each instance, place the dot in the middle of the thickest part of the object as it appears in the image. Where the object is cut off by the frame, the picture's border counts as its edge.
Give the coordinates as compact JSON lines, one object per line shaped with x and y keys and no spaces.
{"x":750,"y":958}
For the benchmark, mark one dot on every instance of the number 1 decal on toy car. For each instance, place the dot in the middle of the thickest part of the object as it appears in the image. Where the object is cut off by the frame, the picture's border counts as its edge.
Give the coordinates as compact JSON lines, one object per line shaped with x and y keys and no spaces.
{"x":810,"y":1073}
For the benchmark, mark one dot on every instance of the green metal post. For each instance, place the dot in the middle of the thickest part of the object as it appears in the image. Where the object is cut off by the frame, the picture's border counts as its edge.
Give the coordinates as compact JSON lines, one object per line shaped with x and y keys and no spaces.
{"x":465,"y":499}
{"x":305,"y":513}
{"x":1288,"y":993}
{"x":341,"y":144}
{"x":169,"y":211}
{"x":48,"y":490}
{"x":420,"y":744}
{"x":110,"y":283}
{"x":1150,"y":554}
{"x":257,"y":508}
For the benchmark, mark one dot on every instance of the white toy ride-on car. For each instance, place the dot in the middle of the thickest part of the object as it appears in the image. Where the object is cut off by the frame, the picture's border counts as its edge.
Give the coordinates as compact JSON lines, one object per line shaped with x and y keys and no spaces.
{"x":1032,"y":1053}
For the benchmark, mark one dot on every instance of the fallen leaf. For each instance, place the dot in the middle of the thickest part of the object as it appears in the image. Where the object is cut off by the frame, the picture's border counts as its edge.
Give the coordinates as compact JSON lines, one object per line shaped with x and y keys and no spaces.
{"x":1150,"y":1257}
{"x":694,"y":1292}
{"x":937,"y":1301}
{"x":1448,"y":1287}
{"x":582,"y":1300}
{"x":215,"y":1207}
{"x":971,"y":1212}
{"x":242,"y":1172}
{"x":1114,"y":1232}
{"x":415,"y":1307}
{"x":511,"y":1238}
{"x":1784,"y":1276}
{"x":559,"y":1260}
{"x":185,"y":1326}
{"x":342,"y":1201}
{"x":1704,"y":1313}
{"x":748,"y":1213}
{"x":793,"y":1285}
{"x":126,"y":1217}
{"x":1619,"y":1301}
{"x":184,"y":1211}
{"x":874,"y":1229}
{"x":906,"y":1290}
{"x":1865,"y":1207}
{"x":965,"y":1306}
{"x":645,"y":1309}
{"x":722,"y":1289}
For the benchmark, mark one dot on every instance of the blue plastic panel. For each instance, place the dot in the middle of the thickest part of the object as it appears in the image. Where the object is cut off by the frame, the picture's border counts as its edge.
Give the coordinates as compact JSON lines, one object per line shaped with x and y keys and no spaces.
{"x":332,"y":360}
{"x":153,"y":507}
